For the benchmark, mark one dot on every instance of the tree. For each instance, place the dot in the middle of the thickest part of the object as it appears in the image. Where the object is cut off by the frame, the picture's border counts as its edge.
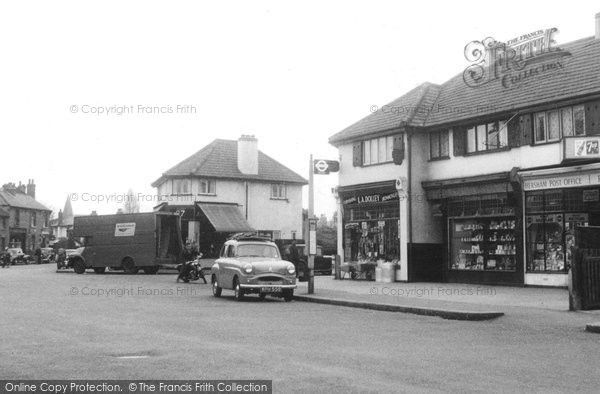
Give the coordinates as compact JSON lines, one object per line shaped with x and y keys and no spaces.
{"x":326,"y":235}
{"x":131,"y":203}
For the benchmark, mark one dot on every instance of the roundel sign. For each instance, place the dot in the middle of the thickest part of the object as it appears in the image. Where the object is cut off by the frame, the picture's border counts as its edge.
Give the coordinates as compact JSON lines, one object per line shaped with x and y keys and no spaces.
{"x":321,"y":166}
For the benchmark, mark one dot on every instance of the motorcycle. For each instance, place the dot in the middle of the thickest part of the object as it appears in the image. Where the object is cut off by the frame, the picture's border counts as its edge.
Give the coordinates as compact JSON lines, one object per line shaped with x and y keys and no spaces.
{"x":190,"y":271}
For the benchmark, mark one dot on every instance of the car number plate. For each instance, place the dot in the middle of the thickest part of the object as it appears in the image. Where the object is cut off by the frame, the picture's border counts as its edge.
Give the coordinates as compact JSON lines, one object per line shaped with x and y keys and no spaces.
{"x":270,"y":289}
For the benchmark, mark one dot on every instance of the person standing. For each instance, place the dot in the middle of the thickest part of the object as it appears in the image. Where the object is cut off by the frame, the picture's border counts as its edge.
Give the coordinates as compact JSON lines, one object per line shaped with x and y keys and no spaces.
{"x":5,"y":258}
{"x":38,"y":255}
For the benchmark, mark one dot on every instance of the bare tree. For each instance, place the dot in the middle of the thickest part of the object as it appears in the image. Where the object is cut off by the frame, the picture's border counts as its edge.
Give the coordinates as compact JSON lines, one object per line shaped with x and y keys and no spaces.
{"x":131,"y":203}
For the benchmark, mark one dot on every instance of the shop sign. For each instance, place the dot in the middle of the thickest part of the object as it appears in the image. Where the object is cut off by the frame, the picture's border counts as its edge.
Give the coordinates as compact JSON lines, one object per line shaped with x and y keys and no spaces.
{"x":124,"y":229}
{"x":371,"y":198}
{"x":582,"y":148}
{"x":562,"y":182}
{"x":590,"y":195}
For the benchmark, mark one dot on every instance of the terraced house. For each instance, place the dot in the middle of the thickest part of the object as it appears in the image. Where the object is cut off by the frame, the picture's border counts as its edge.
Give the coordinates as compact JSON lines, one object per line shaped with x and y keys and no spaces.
{"x":23,"y":220}
{"x":495,"y":168}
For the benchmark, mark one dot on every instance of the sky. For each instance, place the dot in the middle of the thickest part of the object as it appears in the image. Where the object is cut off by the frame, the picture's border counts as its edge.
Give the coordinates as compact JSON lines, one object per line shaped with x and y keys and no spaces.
{"x":291,"y":73}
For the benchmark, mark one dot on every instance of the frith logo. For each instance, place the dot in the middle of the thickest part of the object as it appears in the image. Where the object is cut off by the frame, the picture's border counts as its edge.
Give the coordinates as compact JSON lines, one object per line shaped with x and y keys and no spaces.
{"x":513,"y":63}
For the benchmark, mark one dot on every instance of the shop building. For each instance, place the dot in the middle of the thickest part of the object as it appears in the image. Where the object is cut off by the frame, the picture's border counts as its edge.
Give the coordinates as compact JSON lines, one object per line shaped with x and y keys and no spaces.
{"x":497,"y":175}
{"x":26,"y":225}
{"x":231,"y":186}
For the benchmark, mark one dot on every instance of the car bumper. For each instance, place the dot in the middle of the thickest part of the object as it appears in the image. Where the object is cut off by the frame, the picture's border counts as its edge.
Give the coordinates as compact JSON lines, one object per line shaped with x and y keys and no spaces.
{"x":247,"y":286}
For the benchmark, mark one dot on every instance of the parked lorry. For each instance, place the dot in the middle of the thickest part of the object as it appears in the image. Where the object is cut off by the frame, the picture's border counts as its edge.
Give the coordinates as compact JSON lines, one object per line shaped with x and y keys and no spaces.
{"x":127,"y":241}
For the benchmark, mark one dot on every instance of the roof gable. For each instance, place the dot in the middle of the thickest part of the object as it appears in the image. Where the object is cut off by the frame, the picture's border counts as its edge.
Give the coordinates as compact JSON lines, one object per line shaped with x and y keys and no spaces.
{"x":219,"y":160}
{"x":20,"y":200}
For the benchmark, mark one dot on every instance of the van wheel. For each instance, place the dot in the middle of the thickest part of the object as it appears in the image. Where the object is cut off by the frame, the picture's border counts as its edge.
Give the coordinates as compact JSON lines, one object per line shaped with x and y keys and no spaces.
{"x":151,"y":270}
{"x":238,"y":292}
{"x":99,"y":270}
{"x":79,"y":267}
{"x":129,"y":266}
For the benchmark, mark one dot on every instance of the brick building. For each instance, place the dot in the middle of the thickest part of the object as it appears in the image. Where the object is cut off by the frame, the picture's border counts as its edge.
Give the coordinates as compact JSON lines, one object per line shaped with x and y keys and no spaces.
{"x":23,"y":220}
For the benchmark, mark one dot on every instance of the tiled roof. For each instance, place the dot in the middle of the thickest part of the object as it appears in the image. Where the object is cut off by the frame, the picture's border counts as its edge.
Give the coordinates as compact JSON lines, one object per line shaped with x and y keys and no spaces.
{"x":455,"y":101}
{"x":579,"y":76}
{"x":219,"y":160}
{"x":20,"y":200}
{"x":409,"y":109}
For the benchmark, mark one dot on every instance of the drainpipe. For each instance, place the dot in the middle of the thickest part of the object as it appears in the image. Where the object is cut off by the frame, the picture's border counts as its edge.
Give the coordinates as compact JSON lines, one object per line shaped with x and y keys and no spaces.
{"x":246,"y":187}
{"x":409,"y":183}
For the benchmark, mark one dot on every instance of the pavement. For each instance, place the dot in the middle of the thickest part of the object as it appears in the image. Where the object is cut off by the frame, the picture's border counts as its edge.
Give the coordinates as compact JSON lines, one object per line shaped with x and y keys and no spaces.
{"x":446,"y":300}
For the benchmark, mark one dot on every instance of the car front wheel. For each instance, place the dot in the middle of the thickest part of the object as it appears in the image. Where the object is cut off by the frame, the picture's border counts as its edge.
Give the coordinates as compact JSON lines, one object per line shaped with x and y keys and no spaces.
{"x":216,"y":290}
{"x":288,"y":295}
{"x":238,"y":292}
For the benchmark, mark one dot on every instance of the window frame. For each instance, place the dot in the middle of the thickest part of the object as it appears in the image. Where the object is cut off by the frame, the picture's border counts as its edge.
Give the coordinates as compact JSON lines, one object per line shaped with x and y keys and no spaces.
{"x":282,"y":191}
{"x":443,"y":139}
{"x":484,"y":129}
{"x":372,"y":150}
{"x":181,"y":182}
{"x":211,"y":187}
{"x":560,"y":111}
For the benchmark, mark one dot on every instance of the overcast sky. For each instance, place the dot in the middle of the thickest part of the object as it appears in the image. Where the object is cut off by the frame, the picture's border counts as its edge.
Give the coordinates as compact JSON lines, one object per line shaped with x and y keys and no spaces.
{"x":291,"y":73}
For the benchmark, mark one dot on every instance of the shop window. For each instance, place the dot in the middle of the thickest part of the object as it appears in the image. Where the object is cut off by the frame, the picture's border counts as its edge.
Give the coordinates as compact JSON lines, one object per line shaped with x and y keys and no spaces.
{"x":378,"y":150}
{"x":207,"y":186}
{"x":488,"y":205}
{"x":439,"y":145}
{"x":487,"y":137}
{"x":483,"y":244}
{"x":182,"y":186}
{"x":278,"y":191}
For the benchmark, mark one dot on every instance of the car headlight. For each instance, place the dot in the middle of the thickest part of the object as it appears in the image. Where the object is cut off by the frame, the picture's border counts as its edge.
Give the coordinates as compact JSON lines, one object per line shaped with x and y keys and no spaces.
{"x":291,"y":269}
{"x":248,"y":268}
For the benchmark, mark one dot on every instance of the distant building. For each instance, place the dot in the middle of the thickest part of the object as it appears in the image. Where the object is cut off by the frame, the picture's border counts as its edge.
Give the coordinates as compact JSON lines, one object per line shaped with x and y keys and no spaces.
{"x":230,"y":186}
{"x":23,"y":220}
{"x":63,"y":224}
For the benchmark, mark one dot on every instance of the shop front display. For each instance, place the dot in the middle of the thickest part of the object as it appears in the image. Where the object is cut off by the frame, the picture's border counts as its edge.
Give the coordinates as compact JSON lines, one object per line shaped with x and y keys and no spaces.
{"x":483,"y":240}
{"x":371,"y":227}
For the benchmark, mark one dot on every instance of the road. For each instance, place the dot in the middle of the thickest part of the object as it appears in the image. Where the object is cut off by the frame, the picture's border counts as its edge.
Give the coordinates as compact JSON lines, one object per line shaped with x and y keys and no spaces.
{"x":69,"y":326}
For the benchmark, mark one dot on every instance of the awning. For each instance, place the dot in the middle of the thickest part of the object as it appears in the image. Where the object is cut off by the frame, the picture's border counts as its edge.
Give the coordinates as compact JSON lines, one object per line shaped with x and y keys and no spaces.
{"x":461,"y":187}
{"x":225,"y":218}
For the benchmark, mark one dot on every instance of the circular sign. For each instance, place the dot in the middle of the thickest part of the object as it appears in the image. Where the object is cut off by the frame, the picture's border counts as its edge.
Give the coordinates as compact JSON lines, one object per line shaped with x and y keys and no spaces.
{"x":321,"y":166}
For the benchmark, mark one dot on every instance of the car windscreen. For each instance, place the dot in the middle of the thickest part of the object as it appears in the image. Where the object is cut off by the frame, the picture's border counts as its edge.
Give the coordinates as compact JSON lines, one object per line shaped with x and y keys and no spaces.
{"x":257,"y":250}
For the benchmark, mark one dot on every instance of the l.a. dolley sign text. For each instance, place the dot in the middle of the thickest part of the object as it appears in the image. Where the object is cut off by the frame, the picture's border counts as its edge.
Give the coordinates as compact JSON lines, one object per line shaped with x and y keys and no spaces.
{"x":372,"y":198}
{"x":513,"y":63}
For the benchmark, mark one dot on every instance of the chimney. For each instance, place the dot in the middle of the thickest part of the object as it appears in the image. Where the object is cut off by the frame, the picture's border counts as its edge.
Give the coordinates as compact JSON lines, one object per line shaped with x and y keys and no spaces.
{"x":247,"y":154}
{"x":31,"y":188}
{"x":598,"y":26}
{"x":94,"y":213}
{"x":21,"y":188}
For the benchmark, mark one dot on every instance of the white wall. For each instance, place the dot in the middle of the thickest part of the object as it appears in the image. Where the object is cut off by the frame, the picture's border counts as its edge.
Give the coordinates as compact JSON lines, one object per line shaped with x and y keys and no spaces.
{"x":350,"y":175}
{"x":489,"y":163}
{"x":264,"y":213}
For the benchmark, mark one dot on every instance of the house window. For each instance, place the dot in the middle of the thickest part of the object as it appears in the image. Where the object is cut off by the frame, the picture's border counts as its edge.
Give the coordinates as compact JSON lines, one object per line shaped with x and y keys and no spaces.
{"x":4,"y":223}
{"x":487,"y":137}
{"x":564,"y":122}
{"x":278,"y":191}
{"x":207,"y":186}
{"x":378,"y":150}
{"x":46,"y":219}
{"x":33,"y":219}
{"x":17,"y":218}
{"x":182,"y":186}
{"x":438,"y":145}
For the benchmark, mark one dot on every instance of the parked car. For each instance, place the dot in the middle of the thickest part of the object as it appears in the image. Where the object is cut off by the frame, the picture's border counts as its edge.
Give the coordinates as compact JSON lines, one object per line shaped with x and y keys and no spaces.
{"x":252,"y":265}
{"x":17,"y":256}
{"x":323,"y":264}
{"x":48,"y":255}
